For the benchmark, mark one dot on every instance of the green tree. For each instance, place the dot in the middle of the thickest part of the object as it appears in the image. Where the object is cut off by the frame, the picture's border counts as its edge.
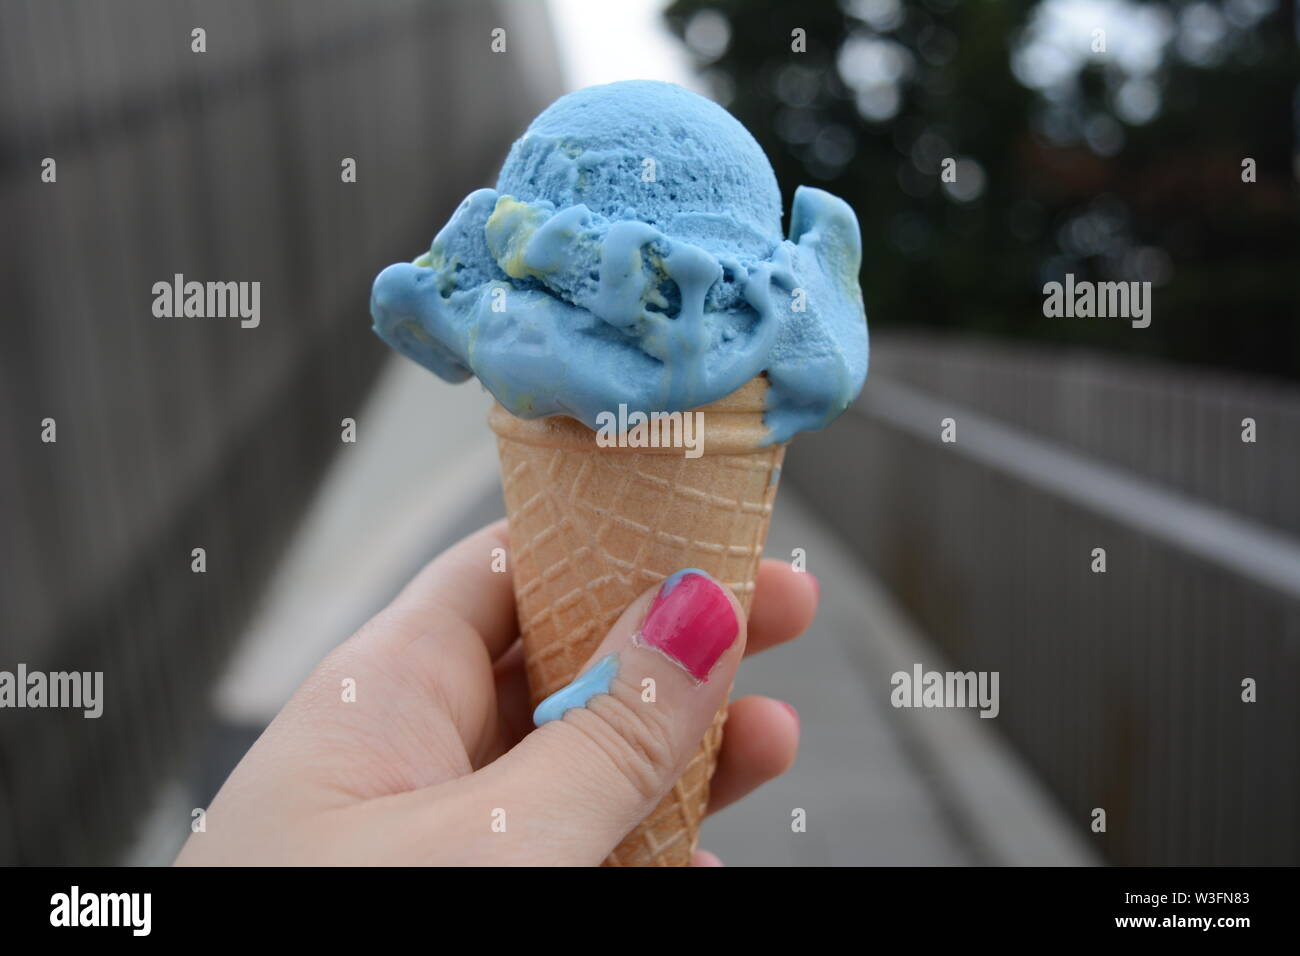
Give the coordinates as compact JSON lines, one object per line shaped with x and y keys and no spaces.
{"x":1123,"y":163}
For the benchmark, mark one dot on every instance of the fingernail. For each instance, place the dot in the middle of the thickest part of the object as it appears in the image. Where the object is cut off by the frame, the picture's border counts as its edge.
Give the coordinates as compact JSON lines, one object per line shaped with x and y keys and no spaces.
{"x":793,"y":713}
{"x":817,"y":585}
{"x":691,"y":621}
{"x":581,"y":689}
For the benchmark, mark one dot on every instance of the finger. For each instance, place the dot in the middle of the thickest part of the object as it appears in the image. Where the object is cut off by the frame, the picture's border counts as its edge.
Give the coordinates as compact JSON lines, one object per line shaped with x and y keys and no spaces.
{"x":513,"y":702}
{"x":705,"y":858}
{"x":785,"y":601}
{"x":612,"y":743}
{"x":465,"y":592}
{"x":760,"y":744}
{"x":430,"y":653}
{"x":784,"y":606}
{"x":412,"y":712}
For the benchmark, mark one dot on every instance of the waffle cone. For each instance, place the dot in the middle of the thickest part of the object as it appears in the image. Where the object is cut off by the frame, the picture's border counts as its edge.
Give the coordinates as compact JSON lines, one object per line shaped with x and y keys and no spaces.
{"x":591,"y":528}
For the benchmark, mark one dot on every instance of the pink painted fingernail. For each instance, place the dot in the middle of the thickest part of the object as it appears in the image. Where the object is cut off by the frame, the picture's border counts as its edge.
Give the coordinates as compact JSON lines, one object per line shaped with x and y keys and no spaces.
{"x":691,"y":621}
{"x":793,"y":713}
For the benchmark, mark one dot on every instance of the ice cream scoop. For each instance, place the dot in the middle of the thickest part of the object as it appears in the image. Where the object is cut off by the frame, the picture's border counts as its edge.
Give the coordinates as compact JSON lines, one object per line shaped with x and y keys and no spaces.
{"x":631,"y":254}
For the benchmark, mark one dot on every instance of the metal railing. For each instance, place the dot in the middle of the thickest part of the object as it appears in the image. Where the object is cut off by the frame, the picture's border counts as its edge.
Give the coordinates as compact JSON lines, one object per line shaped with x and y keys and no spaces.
{"x":222,"y":165}
{"x":1122,"y":688}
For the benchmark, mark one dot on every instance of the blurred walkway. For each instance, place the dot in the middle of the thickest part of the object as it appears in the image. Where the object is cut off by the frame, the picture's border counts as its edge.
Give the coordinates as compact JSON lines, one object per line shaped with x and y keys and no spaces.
{"x":879,"y":786}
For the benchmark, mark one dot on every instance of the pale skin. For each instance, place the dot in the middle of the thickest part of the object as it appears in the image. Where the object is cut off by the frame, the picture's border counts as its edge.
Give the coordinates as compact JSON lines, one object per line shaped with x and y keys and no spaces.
{"x":437,"y":751}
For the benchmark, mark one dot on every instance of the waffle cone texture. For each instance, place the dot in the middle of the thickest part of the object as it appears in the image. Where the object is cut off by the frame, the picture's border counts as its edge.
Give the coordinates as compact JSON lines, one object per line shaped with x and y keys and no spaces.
{"x":593,"y":527}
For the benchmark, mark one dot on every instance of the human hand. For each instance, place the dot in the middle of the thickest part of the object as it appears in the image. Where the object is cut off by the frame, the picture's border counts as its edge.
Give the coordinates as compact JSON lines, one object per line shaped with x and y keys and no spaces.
{"x":440,"y":734}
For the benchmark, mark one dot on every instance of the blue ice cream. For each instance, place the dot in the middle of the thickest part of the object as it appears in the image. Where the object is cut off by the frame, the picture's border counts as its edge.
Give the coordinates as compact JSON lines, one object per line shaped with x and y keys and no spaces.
{"x":631,"y":253}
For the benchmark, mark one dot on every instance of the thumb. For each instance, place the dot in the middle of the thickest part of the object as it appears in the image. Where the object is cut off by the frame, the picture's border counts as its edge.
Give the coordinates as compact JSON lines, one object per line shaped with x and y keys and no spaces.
{"x":611,"y":744}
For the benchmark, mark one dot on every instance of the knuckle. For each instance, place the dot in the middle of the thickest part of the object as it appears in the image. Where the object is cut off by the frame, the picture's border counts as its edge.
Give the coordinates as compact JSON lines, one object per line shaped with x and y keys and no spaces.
{"x":636,"y":738}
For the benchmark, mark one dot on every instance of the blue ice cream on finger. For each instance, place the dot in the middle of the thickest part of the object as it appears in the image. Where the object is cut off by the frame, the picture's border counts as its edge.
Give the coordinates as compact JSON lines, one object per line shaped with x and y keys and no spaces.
{"x":631,"y":253}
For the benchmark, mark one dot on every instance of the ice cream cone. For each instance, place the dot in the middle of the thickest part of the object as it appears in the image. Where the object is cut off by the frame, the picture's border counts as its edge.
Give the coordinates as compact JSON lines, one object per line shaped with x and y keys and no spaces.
{"x":592,"y":527}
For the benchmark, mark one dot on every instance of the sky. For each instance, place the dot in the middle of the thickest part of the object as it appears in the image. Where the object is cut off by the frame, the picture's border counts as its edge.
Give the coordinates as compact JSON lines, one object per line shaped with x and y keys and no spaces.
{"x":602,"y":41}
